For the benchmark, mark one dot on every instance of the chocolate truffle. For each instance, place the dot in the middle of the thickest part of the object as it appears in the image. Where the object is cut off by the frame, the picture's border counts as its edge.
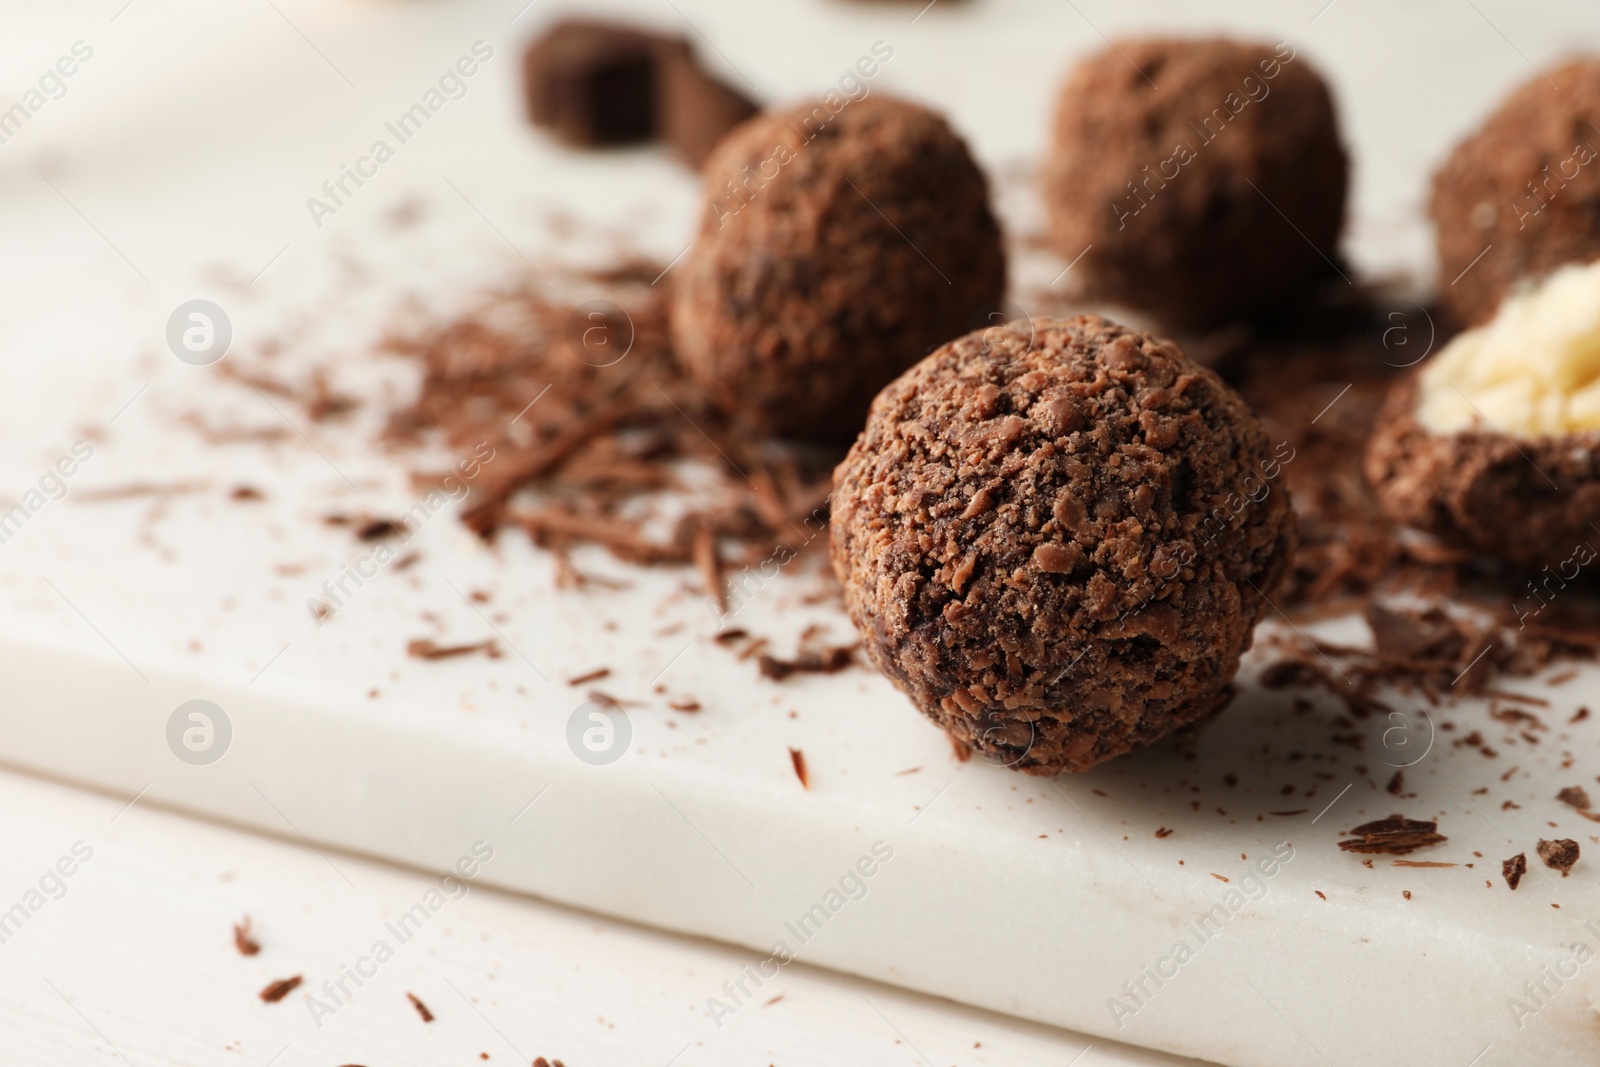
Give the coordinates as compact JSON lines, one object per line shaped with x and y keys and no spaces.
{"x":1493,"y":445}
{"x":841,"y":241}
{"x":1058,"y":539}
{"x":1200,"y":180}
{"x":1526,"y":187}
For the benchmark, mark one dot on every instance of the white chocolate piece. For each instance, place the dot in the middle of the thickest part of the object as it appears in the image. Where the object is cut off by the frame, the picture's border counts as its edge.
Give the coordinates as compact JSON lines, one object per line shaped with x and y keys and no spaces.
{"x":1531,"y":371}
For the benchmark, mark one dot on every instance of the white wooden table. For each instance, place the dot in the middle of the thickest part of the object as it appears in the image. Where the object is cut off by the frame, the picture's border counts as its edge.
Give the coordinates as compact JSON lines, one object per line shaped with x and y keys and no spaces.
{"x":132,"y":956}
{"x":135,"y":959}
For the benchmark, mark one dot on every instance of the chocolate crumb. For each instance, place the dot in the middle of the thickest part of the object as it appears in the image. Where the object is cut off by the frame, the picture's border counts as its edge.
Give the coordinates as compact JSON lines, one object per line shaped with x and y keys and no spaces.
{"x":280,"y":989}
{"x":246,"y":492}
{"x":591,"y":676}
{"x":246,"y":944}
{"x":798,"y":758}
{"x":685,"y":704}
{"x":1164,"y":832}
{"x":1397,"y":784}
{"x":422,"y":1009}
{"x":1575,"y":796}
{"x":1514,"y":868}
{"x":1394,"y":836}
{"x":1559,"y":855}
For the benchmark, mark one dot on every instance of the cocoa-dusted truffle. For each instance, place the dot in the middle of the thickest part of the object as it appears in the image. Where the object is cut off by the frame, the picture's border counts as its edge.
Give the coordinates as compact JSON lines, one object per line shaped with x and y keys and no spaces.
{"x":839,"y":245}
{"x":1058,"y":540}
{"x":1522,"y":193}
{"x":1494,"y":443}
{"x":1200,"y":180}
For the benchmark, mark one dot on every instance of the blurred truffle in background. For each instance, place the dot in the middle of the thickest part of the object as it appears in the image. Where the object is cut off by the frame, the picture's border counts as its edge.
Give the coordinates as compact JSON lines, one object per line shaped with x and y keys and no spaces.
{"x":1200,"y":180}
{"x":600,"y":84}
{"x":1520,"y":196}
{"x":841,"y":241}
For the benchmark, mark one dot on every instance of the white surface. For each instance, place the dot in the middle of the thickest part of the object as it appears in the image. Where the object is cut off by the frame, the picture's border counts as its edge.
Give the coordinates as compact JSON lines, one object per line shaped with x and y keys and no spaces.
{"x":134,"y":958}
{"x":178,"y":165}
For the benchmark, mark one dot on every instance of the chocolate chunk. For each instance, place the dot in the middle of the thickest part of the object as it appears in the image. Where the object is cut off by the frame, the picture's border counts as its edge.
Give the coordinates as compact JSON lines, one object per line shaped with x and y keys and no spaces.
{"x":1394,"y":836}
{"x":597,"y":83}
{"x":698,"y":109}
{"x":1514,"y":868}
{"x":1559,"y":855}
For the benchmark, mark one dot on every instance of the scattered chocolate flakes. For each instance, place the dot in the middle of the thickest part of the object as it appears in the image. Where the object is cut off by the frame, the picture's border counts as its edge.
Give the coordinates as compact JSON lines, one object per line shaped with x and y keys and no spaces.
{"x":423,"y":648}
{"x":798,"y":758}
{"x":242,"y":940}
{"x":540,"y":1061}
{"x":1514,"y":868}
{"x":591,"y":676}
{"x":580,"y":420}
{"x":422,"y":1009}
{"x":1559,"y":855}
{"x":281,"y":988}
{"x":1394,"y":836}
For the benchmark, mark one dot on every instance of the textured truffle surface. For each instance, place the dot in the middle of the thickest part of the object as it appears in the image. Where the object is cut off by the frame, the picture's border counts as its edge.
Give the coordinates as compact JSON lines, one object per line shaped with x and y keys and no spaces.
{"x":836,"y":249}
{"x":1526,"y":183}
{"x":1529,"y":501}
{"x":1058,"y":542}
{"x":1205,"y":178}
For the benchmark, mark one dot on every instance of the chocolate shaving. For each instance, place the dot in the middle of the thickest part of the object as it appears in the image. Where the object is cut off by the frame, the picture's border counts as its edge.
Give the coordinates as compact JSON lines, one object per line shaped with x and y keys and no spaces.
{"x":423,"y":648}
{"x":276,"y":991}
{"x":379,"y":530}
{"x":591,"y":676}
{"x":246,"y":944}
{"x":826,"y":661}
{"x":422,"y":1009}
{"x":585,"y":440}
{"x":798,"y":758}
{"x":1394,"y":836}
